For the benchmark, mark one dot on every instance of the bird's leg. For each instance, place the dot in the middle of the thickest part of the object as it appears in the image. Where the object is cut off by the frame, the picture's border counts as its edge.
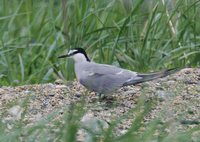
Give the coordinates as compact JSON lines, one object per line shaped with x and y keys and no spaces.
{"x":101,"y":96}
{"x":106,"y":100}
{"x":104,"y":97}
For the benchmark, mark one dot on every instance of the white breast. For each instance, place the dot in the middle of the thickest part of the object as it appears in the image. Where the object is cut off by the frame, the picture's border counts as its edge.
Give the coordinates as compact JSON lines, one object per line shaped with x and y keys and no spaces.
{"x":79,"y":58}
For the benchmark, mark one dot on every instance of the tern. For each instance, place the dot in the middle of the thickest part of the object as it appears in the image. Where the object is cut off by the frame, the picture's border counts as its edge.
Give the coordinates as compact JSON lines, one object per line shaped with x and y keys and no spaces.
{"x":103,"y":78}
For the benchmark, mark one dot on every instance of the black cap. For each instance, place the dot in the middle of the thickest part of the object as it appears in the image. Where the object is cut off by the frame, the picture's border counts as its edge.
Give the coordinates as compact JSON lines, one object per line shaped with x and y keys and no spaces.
{"x":78,"y":50}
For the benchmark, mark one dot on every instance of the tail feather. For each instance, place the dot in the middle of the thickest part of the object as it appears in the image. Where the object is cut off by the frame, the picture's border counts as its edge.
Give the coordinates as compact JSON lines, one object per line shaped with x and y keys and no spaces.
{"x":150,"y":76}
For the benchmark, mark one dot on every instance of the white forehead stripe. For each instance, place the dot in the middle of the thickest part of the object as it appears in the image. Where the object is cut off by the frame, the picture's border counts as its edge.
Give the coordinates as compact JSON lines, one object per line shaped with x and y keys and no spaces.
{"x":72,"y":51}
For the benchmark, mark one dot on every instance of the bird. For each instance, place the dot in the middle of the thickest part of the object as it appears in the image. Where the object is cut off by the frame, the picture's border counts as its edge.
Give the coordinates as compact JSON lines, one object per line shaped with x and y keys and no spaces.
{"x":104,"y":78}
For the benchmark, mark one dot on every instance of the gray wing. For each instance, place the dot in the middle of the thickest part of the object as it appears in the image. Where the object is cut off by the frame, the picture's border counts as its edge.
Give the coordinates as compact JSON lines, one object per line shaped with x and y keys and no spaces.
{"x":103,"y":78}
{"x":108,"y":69}
{"x":101,"y":83}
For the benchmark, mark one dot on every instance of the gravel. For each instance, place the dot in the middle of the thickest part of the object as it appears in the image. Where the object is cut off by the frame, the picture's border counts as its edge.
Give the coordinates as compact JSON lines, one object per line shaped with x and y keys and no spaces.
{"x":177,"y":97}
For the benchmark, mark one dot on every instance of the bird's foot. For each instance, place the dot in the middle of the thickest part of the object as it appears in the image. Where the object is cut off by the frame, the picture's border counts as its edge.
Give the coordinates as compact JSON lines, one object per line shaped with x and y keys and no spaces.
{"x":107,"y":98}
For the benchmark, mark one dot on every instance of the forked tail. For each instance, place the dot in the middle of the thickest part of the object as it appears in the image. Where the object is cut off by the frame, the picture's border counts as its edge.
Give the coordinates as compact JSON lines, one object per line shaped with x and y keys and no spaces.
{"x":150,"y":76}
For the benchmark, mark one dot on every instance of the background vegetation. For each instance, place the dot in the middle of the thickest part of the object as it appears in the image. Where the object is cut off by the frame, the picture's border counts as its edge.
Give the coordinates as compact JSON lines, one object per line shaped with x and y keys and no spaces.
{"x":140,"y":35}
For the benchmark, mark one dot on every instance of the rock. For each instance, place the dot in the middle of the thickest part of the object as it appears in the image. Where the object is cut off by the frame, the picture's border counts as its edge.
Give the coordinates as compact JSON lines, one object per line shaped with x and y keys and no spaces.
{"x":89,"y":123}
{"x":27,"y":92}
{"x":162,"y":95}
{"x":180,"y":78}
{"x":93,"y":123}
{"x":51,"y":94}
{"x":15,"y":112}
{"x":1,"y":91}
{"x":59,"y":82}
{"x":78,"y":94}
{"x":171,"y":82}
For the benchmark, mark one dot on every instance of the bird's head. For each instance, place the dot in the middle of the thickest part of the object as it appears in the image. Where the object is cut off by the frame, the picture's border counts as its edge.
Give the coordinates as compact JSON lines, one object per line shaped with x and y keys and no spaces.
{"x":78,"y":54}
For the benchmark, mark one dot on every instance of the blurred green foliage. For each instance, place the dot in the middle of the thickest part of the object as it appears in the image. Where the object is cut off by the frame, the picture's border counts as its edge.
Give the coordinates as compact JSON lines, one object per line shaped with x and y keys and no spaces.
{"x":139,"y":35}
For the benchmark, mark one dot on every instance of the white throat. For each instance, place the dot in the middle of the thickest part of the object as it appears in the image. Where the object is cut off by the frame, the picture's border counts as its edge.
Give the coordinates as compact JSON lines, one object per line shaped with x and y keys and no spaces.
{"x":79,"y":58}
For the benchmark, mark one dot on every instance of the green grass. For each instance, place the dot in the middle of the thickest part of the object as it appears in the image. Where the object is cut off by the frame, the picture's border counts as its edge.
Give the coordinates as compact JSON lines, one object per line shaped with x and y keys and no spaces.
{"x":138,"y":35}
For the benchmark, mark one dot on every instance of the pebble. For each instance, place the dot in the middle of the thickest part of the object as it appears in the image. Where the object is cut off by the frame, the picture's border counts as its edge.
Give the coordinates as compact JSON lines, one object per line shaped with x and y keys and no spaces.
{"x":59,"y":82}
{"x":51,"y":95}
{"x":1,"y":91}
{"x":27,"y":92}
{"x":180,"y":78}
{"x":15,"y":112}
{"x":61,"y":87}
{"x":171,"y":82}
{"x":163,"y":95}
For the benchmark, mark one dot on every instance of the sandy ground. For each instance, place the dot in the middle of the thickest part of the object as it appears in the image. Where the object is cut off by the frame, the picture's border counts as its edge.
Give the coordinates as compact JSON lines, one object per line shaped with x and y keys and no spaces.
{"x":177,"y":97}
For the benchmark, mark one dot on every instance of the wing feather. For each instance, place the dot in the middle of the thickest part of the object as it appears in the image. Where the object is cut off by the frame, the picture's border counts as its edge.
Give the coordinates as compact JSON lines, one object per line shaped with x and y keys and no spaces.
{"x":104,"y":78}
